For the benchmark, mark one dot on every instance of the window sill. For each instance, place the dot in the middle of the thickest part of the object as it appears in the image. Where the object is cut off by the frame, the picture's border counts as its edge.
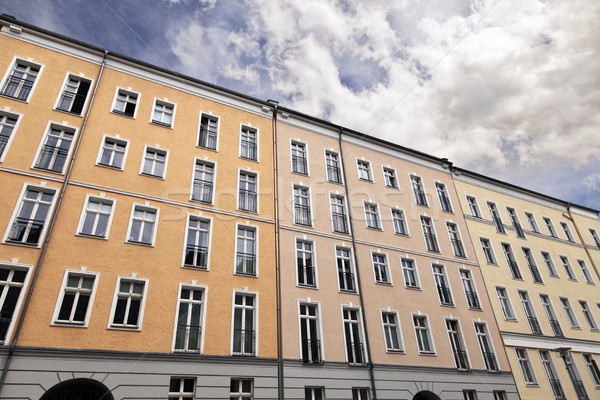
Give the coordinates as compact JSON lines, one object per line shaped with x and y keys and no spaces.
{"x":249,"y":159}
{"x":381,"y":283}
{"x":414,"y":287}
{"x":194,"y":268}
{"x":366,"y":180}
{"x":335,"y":183}
{"x":30,"y":245}
{"x":67,"y":324}
{"x":51,"y":171}
{"x":125,"y":328}
{"x":311,"y":287}
{"x":348,"y":291}
{"x":475,"y":308}
{"x":91,"y":236}
{"x":68,"y":112}
{"x":207,"y":148}
{"x":304,"y":225}
{"x":449,"y":305}
{"x":201,"y":201}
{"x":140,"y":243}
{"x":162,"y":178}
{"x":450,"y":212}
{"x":301,"y":173}
{"x":245,"y":275}
{"x":248,"y":211}
{"x":161,"y":124}
{"x":392,"y":187}
{"x":390,"y":351}
{"x":122,"y":114}
{"x":428,"y":354}
{"x":402,"y":234}
{"x":16,"y":98}
{"x":375,"y":228}
{"x":109,"y":167}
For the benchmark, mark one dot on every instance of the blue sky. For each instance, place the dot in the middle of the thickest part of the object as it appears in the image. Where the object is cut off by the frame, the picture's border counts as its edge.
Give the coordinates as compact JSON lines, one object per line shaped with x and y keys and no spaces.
{"x":507,"y":88}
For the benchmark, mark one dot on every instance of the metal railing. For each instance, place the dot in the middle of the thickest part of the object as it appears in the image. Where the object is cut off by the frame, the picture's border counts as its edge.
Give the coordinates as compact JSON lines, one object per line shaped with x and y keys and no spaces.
{"x":519,"y":230}
{"x":333,"y":174}
{"x":534,"y":325}
{"x":71,"y":102}
{"x":188,"y":338}
{"x":247,"y":200}
{"x":207,"y":139}
{"x":243,"y":342}
{"x":420,"y":197}
{"x":514,"y":269}
{"x":339,"y":222}
{"x":52,"y":158}
{"x":202,"y":191}
{"x":245,"y":264}
{"x":580,"y":390}
{"x":431,"y":242}
{"x":248,"y":150}
{"x":17,"y":87}
{"x":4,"y":325}
{"x":196,"y":256}
{"x":445,"y":295}
{"x":355,"y":353}
{"x":557,"y":389}
{"x":311,"y":351}
{"x":457,"y":246}
{"x":461,"y":360}
{"x":346,"y":281}
{"x":307,"y":271}
{"x":535,"y":273}
{"x":556,"y":328}
{"x":490,"y":361}
{"x":302,"y":214}
{"x":26,"y":231}
{"x":498,"y":224}
{"x":299,"y":165}
{"x":445,"y":202}
{"x":472,"y":300}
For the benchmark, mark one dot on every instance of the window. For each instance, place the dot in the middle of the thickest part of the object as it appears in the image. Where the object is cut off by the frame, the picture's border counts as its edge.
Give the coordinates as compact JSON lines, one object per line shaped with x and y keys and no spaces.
{"x":241,"y":389}
{"x":128,"y":305}
{"x":380,"y":268}
{"x":424,"y":340}
{"x":473,"y":207}
{"x":182,"y":388}
{"x":8,"y":122}
{"x":247,"y":199}
{"x":197,"y":242}
{"x":389,"y":176}
{"x":550,"y":227}
{"x":505,"y":305}
{"x":510,"y":260}
{"x":372,"y":216}
{"x":299,"y":159}
{"x":552,"y":375}
{"x":443,"y":289}
{"x":409,"y":271}
{"x":29,"y":223}
{"x":549,"y":264}
{"x":552,"y":318}
{"x":364,"y":170}
{"x":154,"y":162}
{"x":21,"y":79}
{"x":96,"y":217}
{"x":534,"y":324}
{"x":53,"y":153}
{"x":333,"y":169}
{"x":338,"y":214}
{"x":163,"y":113}
{"x":567,"y":231}
{"x":514,"y":219}
{"x":496,"y":219}
{"x":399,"y":221}
{"x":208,"y":132}
{"x":469,"y":288}
{"x":345,"y":270}
{"x":202,"y":186}
{"x":142,"y":226}
{"x":587,"y":314}
{"x":443,"y":196}
{"x":574,"y":375}
{"x":470,"y":395}
{"x":526,"y":368}
{"x":532,"y":222}
{"x":112,"y":152}
{"x":12,"y":282}
{"x":243,"y":324}
{"x":488,"y":251}
{"x":457,"y":345}
{"x":391,"y":331}
{"x":485,"y":346}
{"x":360,"y":394}
{"x":585,"y":271}
{"x":567,"y":266}
{"x":500,"y":395}
{"x":248,"y":143}
{"x":302,"y":215}
{"x":429,"y":234}
{"x":455,"y":240}
{"x":309,"y":333}
{"x":314,"y":393}
{"x":188,"y":333}
{"x":595,"y":237}
{"x":592,"y":368}
{"x":352,"y":335}
{"x":418,"y":191}
{"x":246,"y":251}
{"x":535,"y":272}
{"x":304,"y":261}
{"x":74,"y":94}
{"x":566,"y":305}
{"x":125,"y":102}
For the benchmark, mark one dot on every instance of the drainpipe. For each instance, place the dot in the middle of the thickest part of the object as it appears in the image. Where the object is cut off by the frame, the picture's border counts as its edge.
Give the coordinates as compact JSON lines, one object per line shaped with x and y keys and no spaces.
{"x":36,"y":272}
{"x":587,"y":251}
{"x":360,"y":292}
{"x":280,"y":377}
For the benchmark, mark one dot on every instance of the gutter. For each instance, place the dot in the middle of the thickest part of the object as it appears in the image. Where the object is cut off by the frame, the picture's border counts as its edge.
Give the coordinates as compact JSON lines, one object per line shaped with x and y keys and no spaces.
{"x":36,"y":272}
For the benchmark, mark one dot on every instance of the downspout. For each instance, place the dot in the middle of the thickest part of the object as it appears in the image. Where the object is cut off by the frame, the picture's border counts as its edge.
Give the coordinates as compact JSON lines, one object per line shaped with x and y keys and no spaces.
{"x":280,"y":377}
{"x":13,"y":343}
{"x":360,"y":292}
{"x":587,"y":251}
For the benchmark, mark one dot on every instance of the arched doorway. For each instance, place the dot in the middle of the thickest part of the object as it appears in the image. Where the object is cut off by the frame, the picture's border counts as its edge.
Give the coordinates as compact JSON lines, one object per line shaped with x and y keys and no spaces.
{"x":426,"y":395}
{"x":78,"y":389}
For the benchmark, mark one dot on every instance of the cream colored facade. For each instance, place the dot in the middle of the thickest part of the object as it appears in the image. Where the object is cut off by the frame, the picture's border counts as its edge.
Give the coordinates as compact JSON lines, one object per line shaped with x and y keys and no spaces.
{"x":541,"y":276}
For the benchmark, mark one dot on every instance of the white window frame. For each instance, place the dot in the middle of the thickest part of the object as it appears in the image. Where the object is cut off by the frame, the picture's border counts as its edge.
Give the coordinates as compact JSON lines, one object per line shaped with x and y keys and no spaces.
{"x":338,"y":166}
{"x":200,"y":217}
{"x":397,"y":327}
{"x":361,"y":393}
{"x":144,"y":207}
{"x":585,"y":271}
{"x":565,"y":304}
{"x":509,"y":309}
{"x":256,"y":183}
{"x":450,"y":224}
{"x":61,"y":127}
{"x":461,"y":338}
{"x":592,"y":367}
{"x":117,"y":139}
{"x":240,"y":395}
{"x":489,"y":341}
{"x":255,"y":324}
{"x":402,"y":220}
{"x":550,"y":312}
{"x":204,"y":161}
{"x":509,"y":256}
{"x":495,"y":211}
{"x":445,"y":280}
{"x":313,"y":390}
{"x":532,"y":264}
{"x":79,"y":77}
{"x":588,"y":316}
{"x":471,"y":281}
{"x":550,"y":265}
{"x":361,"y":332}
{"x":131,"y":278}
{"x":156,"y":149}
{"x":345,"y":207}
{"x":7,"y":113}
{"x":386,"y":266}
{"x":352,"y":268}
{"x":567,"y":231}
{"x":432,"y":351}
{"x":254,"y":228}
{"x":30,"y":63}
{"x":550,"y":227}
{"x":364,"y":167}
{"x":444,"y":189}
{"x":309,"y":205}
{"x":101,"y":199}
{"x":191,"y":286}
{"x":527,"y":361}
{"x":42,"y":188}
{"x":568,"y":268}
{"x":217,"y":119}
{"x":532,"y":222}
{"x":528,"y":307}
{"x":375,"y":213}
{"x":415,"y":271}
{"x":474,"y":207}
{"x":298,"y":142}
{"x":255,"y":130}
{"x":313,"y":260}
{"x":317,"y":305}
{"x":165,"y":103}
{"x":550,"y":369}
{"x":494,"y":260}
{"x":417,"y":180}
{"x":593,"y":233}
{"x":21,"y":267}
{"x":391,"y":171}
{"x":181,"y":395}
{"x":513,"y":217}
{"x":129,"y":92}
{"x":433,"y":232}
{"x":78,"y":273}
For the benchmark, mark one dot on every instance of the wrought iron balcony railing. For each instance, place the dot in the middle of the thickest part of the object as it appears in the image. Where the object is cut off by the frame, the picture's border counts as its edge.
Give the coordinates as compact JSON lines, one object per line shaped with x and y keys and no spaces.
{"x":207,"y":139}
{"x":431,"y":242}
{"x":355,"y":353}
{"x":188,"y":338}
{"x":247,"y":200}
{"x":245,"y":264}
{"x":472,"y":300}
{"x":490,"y":361}
{"x":202,"y":191}
{"x":346,"y":281}
{"x":302,"y":214}
{"x":17,"y":87}
{"x":333,"y":174}
{"x":243,"y":342}
{"x":461,"y":360}
{"x":299,"y":165}
{"x":534,"y":325}
{"x":445,"y":295}
{"x":556,"y":328}
{"x":72,"y":102}
{"x":306,"y":275}
{"x":311,"y":351}
{"x":457,"y":246}
{"x":196,"y":256}
{"x":339,"y":222}
{"x":52,"y":158}
{"x":27,"y":231}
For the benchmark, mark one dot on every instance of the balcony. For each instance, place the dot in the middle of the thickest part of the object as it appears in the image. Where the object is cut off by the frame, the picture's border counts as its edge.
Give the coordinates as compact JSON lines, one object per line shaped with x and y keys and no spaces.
{"x":472,"y":300}
{"x":519,"y":230}
{"x":354,"y":351}
{"x":461,"y":360}
{"x":196,"y":257}
{"x":71,"y":102}
{"x":306,"y":275}
{"x":346,"y":281}
{"x":243,"y":342}
{"x":52,"y":158}
{"x":535,"y":273}
{"x":247,"y":200}
{"x":556,"y":328}
{"x":431,"y":242}
{"x":498,"y":224}
{"x":490,"y":361}
{"x":248,"y":150}
{"x":580,"y":389}
{"x":202,"y":191}
{"x":534,"y":325}
{"x":420,"y":197}
{"x":299,"y":165}
{"x":187,"y":338}
{"x":445,"y":203}
{"x":26,"y":231}
{"x":311,"y":351}
{"x":514,"y":269}
{"x":457,"y":246}
{"x":333,"y":174}
{"x":339,"y":222}
{"x":557,"y":389}
{"x":207,"y":139}
{"x":245,"y":264}
{"x":302,"y":215}
{"x":17,"y":87}
{"x":445,"y":295}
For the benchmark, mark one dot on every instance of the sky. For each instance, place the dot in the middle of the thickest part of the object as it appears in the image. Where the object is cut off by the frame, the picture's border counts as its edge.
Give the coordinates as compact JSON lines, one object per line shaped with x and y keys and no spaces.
{"x":505,"y":88}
